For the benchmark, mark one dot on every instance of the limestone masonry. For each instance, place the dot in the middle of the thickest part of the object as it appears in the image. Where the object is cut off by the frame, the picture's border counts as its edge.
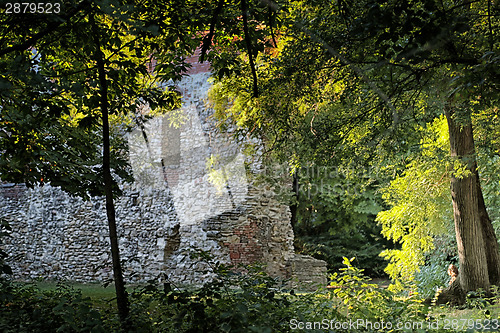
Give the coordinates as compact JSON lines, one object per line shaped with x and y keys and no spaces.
{"x":191,"y":191}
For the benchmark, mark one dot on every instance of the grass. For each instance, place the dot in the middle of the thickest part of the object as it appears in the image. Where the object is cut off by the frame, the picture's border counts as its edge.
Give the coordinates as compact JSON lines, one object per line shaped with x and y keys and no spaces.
{"x":462,"y":318}
{"x":95,"y":291}
{"x":101,"y":297}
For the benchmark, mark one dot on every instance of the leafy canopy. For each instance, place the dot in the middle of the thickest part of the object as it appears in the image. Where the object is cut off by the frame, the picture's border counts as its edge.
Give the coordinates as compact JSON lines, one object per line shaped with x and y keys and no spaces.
{"x":50,"y":91}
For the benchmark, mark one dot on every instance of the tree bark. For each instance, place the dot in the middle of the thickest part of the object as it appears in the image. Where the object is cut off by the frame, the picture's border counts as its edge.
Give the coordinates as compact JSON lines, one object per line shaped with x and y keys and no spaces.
{"x":453,"y":295}
{"x":490,"y":240}
{"x":295,"y":206}
{"x":121,"y":294}
{"x":477,"y":244}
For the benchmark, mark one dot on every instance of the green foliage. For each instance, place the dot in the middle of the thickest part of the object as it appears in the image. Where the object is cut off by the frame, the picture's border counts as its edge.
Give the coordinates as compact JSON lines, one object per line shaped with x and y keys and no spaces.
{"x":433,"y":275}
{"x":487,"y":131}
{"x":356,"y":83}
{"x":330,"y":247}
{"x":420,"y":204}
{"x":370,"y":302}
{"x":479,"y":299}
{"x":254,"y":302}
{"x":431,"y":278}
{"x":50,"y":88}
{"x":489,"y":169}
{"x":231,"y":303}
{"x":25,"y":308}
{"x":336,"y":211}
{"x":420,"y":217}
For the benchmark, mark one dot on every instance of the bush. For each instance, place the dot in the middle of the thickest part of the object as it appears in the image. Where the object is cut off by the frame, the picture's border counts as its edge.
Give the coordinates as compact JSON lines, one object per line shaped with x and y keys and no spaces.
{"x":255,"y":302}
{"x":233,"y":302}
{"x":434,"y":274}
{"x":25,"y":308}
{"x":430,"y":278}
{"x":371,"y":303}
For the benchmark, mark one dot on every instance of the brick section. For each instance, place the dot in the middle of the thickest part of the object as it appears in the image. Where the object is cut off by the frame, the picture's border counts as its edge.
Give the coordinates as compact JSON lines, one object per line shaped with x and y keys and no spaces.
{"x":12,"y":191}
{"x":196,"y":66}
{"x":246,"y":248}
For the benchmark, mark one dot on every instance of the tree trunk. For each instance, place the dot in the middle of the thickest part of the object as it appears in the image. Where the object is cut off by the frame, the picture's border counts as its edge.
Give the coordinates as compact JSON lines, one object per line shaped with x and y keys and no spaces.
{"x":477,"y":245}
{"x":121,"y":294}
{"x":295,"y":205}
{"x":453,"y":295}
{"x":490,"y":240}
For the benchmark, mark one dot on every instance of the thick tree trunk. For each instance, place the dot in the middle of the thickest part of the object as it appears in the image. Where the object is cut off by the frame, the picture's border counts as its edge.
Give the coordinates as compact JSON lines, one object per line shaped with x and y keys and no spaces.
{"x":490,"y":240}
{"x":477,"y":245}
{"x":121,"y":294}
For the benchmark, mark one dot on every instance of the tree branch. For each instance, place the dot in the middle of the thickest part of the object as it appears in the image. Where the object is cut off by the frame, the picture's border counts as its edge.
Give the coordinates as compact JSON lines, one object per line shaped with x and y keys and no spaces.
{"x":489,"y":26}
{"x":244,"y":10}
{"x":50,"y":28}
{"x":207,"y":40}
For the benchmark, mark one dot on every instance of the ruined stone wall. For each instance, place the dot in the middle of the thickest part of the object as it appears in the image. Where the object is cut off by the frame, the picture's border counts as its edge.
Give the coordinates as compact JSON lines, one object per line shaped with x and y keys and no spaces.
{"x":57,"y":236}
{"x":191,"y":191}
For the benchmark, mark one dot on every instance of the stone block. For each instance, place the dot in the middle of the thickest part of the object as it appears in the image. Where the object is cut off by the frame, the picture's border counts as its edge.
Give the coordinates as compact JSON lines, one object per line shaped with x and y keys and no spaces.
{"x":306,"y":272}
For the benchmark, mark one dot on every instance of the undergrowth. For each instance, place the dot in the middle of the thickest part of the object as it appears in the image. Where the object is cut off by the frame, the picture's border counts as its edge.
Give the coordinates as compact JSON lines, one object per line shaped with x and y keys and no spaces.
{"x":232,"y":302}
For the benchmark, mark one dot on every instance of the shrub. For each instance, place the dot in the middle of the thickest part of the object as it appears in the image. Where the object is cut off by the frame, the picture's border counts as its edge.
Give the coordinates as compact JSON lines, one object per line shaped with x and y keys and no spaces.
{"x":370,"y":302}
{"x":25,"y":308}
{"x":430,"y":278}
{"x":233,"y":302}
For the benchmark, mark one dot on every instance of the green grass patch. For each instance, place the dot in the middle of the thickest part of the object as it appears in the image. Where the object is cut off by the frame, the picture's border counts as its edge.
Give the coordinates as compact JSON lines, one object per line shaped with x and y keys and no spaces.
{"x":95,"y":291}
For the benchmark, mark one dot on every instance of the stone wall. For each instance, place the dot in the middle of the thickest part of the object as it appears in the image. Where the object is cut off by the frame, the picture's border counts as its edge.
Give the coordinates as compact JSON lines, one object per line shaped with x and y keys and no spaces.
{"x":191,"y":190}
